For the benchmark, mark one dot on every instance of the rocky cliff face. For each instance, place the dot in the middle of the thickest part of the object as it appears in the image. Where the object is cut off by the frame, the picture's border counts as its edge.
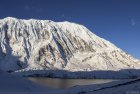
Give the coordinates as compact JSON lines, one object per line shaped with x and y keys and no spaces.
{"x":39,"y":44}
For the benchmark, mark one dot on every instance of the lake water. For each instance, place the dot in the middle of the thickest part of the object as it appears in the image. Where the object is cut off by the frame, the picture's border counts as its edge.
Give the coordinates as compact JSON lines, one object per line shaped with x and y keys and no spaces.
{"x":65,"y":83}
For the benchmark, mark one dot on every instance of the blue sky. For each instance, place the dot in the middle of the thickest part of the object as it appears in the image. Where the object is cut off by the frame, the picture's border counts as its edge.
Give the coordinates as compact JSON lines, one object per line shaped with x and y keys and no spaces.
{"x":115,"y":20}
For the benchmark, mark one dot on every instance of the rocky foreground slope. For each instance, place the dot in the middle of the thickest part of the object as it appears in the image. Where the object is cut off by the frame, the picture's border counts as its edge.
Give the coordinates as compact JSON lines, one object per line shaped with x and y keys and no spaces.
{"x":44,"y":44}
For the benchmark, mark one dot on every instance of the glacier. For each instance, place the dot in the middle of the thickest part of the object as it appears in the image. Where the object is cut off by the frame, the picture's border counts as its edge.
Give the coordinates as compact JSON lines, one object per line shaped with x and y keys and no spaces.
{"x":29,"y":45}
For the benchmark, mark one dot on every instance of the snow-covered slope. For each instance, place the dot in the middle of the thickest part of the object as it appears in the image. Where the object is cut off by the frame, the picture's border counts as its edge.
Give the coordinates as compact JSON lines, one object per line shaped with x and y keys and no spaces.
{"x":115,"y":87}
{"x":10,"y":84}
{"x":44,"y":44}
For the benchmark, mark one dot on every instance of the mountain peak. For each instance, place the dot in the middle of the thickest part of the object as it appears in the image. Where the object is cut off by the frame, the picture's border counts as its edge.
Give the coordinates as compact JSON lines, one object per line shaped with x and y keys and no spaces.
{"x":39,"y":44}
{"x":10,"y":18}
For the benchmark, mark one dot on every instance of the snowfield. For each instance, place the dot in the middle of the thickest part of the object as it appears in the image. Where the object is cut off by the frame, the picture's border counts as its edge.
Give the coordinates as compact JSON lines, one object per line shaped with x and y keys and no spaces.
{"x":10,"y":84}
{"x":116,"y":87}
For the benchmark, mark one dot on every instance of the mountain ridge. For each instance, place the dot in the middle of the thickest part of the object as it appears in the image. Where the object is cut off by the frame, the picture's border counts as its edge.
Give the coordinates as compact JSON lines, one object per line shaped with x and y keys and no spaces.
{"x":39,"y":44}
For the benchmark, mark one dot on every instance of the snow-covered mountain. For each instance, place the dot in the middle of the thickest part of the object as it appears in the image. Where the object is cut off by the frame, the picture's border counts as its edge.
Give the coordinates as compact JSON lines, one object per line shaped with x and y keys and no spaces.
{"x":44,"y":44}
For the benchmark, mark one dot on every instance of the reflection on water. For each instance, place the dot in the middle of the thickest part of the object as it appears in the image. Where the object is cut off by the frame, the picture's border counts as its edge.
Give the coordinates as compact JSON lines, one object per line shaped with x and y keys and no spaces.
{"x":65,"y":83}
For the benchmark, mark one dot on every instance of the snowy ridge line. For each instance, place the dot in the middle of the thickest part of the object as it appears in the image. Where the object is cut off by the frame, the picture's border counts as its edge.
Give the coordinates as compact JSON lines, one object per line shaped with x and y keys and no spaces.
{"x":123,"y":74}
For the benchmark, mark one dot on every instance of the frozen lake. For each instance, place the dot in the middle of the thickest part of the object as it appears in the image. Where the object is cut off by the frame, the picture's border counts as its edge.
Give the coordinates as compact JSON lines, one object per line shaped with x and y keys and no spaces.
{"x":65,"y":83}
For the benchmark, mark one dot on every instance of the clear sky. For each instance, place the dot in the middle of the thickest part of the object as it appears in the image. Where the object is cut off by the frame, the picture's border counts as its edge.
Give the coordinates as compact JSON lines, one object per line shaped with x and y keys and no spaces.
{"x":115,"y":20}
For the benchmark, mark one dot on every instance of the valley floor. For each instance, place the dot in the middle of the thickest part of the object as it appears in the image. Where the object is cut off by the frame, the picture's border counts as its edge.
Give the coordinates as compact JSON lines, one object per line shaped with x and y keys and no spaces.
{"x":10,"y":84}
